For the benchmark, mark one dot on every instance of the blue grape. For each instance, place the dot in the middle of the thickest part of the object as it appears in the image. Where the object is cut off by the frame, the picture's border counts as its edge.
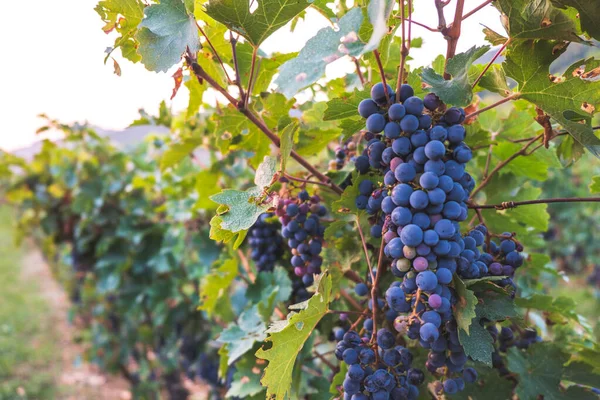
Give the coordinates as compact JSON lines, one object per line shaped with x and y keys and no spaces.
{"x":413,"y":105}
{"x":367,"y":107}
{"x":376,"y":123}
{"x":378,"y":93}
{"x":396,"y":112}
{"x":409,"y":124}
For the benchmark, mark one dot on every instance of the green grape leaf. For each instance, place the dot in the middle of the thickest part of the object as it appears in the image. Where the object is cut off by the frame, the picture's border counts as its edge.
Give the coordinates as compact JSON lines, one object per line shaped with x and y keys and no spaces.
{"x":324,"y":48}
{"x":350,"y":126}
{"x":595,"y":184}
{"x":239,"y":210}
{"x":496,"y":307}
{"x":465,"y":306}
{"x":338,"y":379}
{"x":266,"y":283}
{"x":535,"y":215}
{"x":535,"y":166}
{"x":165,"y":33}
{"x":123,"y":16}
{"x":588,"y":11}
{"x":222,"y":361}
{"x":312,"y":141}
{"x":540,"y":370}
{"x":569,"y":151}
{"x":581,"y":373}
{"x":178,"y":151}
{"x":287,"y":143}
{"x":222,"y":235}
{"x":538,"y":19}
{"x":570,"y":100}
{"x":196,"y":93}
{"x":241,"y":336}
{"x":242,"y":208}
{"x":493,"y":37}
{"x":563,"y":307}
{"x":207,"y":184}
{"x":345,"y":106}
{"x":456,"y":91}
{"x":246,"y":380}
{"x":214,"y":287}
{"x":259,"y":24}
{"x":379,"y":12}
{"x":494,"y":80}
{"x":478,"y":343}
{"x":489,"y":386}
{"x":288,"y":338}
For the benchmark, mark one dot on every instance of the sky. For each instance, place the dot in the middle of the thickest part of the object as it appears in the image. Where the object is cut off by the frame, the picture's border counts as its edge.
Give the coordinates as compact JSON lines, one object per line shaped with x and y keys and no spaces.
{"x":56,"y":54}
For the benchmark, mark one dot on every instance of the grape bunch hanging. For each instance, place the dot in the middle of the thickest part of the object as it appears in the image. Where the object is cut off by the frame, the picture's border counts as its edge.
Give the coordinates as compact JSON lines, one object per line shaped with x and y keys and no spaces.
{"x":417,"y":146}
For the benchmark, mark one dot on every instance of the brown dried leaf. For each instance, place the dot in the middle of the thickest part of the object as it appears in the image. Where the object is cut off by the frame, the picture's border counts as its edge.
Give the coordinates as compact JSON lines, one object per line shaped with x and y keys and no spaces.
{"x":178,"y":77}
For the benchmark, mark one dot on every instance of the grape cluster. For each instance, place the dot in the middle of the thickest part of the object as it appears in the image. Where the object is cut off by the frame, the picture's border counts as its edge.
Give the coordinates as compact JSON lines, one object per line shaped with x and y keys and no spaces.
{"x":302,"y":227}
{"x":342,"y":154}
{"x":386,"y":375}
{"x":506,"y":338}
{"x":265,"y":242}
{"x":417,"y":145}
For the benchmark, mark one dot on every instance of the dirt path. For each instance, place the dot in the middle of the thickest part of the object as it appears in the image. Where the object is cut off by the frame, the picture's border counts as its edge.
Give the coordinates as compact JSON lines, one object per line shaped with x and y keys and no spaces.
{"x":77,"y":379}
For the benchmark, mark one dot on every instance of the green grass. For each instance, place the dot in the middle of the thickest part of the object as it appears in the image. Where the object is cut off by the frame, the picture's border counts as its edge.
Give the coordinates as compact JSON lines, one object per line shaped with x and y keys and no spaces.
{"x":28,"y":345}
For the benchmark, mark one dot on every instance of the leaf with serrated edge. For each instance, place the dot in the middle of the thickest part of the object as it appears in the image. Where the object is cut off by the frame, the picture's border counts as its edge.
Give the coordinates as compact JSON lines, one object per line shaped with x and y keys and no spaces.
{"x":241,"y":336}
{"x":528,"y":63}
{"x":458,"y":90}
{"x":538,"y":19}
{"x":588,"y":11}
{"x":288,"y":338}
{"x":256,"y":26}
{"x":322,"y":49}
{"x":345,"y":106}
{"x":465,"y":306}
{"x":540,"y":370}
{"x":239,"y":210}
{"x":165,"y":33}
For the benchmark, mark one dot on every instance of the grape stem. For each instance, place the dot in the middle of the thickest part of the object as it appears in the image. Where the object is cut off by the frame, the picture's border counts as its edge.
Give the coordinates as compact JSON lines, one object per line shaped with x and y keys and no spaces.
{"x":506,"y":205}
{"x":489,"y":64}
{"x":213,"y":50}
{"x":364,"y":246}
{"x":350,"y":299}
{"x":405,"y":49}
{"x":358,"y":71}
{"x":201,"y":74}
{"x":496,"y":104}
{"x":347,"y":312}
{"x":382,"y":74}
{"x":380,"y":272}
{"x":251,"y":78}
{"x":238,"y":76}
{"x":521,"y":151}
{"x":308,"y":181}
{"x":326,"y":361}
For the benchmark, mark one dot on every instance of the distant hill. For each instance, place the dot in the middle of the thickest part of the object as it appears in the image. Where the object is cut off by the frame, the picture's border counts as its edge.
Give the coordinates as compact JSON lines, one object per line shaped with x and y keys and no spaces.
{"x":126,"y":138}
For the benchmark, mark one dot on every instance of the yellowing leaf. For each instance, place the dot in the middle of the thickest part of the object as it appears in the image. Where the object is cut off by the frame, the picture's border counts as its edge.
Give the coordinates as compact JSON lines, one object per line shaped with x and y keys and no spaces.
{"x":214,"y":287}
{"x":289,"y":337}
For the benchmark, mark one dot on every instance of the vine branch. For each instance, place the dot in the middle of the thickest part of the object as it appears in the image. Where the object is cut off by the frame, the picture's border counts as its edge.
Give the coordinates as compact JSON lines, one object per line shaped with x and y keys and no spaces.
{"x":505,"y":205}
{"x":452,"y":33}
{"x":521,"y":151}
{"x":201,"y":74}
